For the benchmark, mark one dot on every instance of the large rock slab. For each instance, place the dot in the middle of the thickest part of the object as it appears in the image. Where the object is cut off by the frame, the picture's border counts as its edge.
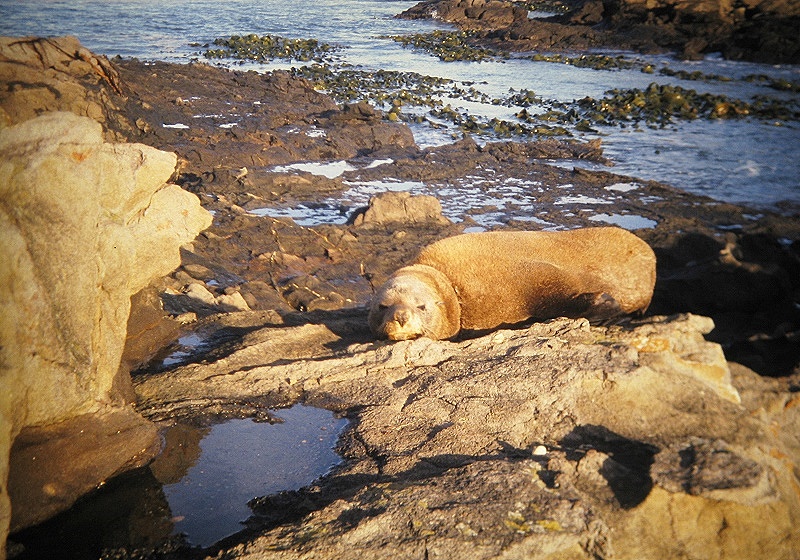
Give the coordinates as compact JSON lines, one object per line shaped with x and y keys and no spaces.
{"x":559,"y":440}
{"x":96,"y":446}
{"x":85,"y":225}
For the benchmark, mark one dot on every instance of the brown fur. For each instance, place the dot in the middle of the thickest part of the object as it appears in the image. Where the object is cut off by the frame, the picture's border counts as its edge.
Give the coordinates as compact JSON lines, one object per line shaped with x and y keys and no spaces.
{"x":506,"y":277}
{"x":416,"y":301}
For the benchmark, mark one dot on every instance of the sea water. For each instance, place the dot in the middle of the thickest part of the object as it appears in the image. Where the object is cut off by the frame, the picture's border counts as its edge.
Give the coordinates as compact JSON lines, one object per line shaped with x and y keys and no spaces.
{"x":745,"y":160}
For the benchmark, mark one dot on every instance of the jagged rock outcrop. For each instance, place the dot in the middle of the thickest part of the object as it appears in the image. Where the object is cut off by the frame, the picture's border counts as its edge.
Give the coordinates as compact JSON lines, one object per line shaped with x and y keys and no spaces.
{"x":59,"y":74}
{"x":85,"y":225}
{"x":469,"y":14}
{"x":297,"y":123}
{"x":762,"y":30}
{"x":560,"y":440}
{"x":759,"y":30}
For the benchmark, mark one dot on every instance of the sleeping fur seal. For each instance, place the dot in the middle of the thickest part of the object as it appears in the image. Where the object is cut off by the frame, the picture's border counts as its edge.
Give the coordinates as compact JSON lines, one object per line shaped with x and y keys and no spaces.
{"x":479,"y":281}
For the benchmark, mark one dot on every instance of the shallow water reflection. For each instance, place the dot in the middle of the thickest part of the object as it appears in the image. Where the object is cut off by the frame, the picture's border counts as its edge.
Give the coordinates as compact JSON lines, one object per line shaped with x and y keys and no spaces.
{"x":627,"y":221}
{"x":197,"y":491}
{"x":237,"y":461}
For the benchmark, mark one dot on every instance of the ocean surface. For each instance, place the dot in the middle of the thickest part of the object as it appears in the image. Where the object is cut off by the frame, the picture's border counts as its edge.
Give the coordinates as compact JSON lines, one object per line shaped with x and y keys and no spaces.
{"x":744,"y":160}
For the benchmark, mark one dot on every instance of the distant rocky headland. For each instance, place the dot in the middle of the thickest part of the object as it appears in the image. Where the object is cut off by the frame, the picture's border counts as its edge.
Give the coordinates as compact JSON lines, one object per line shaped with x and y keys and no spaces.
{"x":757,"y":30}
{"x":649,"y":438}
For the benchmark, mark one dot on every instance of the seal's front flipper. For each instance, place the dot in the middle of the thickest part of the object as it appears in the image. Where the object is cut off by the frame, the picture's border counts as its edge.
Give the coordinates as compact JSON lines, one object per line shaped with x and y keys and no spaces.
{"x":598,"y":307}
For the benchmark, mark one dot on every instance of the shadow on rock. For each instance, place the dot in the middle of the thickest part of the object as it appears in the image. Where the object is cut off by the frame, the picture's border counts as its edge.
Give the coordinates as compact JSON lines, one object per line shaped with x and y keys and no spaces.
{"x":131,"y":511}
{"x":624,"y":463}
{"x":748,"y":284}
{"x":364,"y":493}
{"x":219,"y":336}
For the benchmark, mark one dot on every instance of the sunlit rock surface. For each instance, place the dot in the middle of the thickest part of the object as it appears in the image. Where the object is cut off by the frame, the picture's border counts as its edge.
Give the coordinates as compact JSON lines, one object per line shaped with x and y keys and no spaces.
{"x":557,"y":440}
{"x":85,"y":225}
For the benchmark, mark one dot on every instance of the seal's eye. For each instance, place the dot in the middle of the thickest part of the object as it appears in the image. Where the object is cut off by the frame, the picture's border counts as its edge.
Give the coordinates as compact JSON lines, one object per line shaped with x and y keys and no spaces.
{"x":383,"y":306}
{"x":421,"y":307}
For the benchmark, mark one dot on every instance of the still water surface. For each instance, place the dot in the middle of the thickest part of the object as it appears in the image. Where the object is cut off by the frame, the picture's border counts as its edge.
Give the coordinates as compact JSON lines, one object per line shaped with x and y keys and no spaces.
{"x":739,"y":161}
{"x":197,"y":491}
{"x":239,"y":460}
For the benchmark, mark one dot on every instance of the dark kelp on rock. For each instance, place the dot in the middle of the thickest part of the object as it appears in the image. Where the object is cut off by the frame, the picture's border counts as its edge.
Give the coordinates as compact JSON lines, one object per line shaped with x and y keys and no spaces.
{"x":449,"y":46}
{"x":263,"y":48}
{"x":660,"y":104}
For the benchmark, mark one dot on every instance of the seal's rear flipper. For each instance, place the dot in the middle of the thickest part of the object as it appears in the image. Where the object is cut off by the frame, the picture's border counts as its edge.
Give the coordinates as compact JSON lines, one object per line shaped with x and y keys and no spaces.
{"x":598,"y":307}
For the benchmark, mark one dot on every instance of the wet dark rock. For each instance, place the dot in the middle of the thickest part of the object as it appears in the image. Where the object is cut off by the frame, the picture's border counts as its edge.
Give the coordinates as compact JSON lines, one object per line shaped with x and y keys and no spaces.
{"x":590,"y":12}
{"x":272,"y":119}
{"x":361,"y":111}
{"x":477,"y":13}
{"x":764,"y":31}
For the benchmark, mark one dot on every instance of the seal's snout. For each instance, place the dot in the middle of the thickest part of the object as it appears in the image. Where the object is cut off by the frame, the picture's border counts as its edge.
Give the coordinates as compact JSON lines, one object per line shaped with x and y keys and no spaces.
{"x":402,"y":316}
{"x":399,"y":322}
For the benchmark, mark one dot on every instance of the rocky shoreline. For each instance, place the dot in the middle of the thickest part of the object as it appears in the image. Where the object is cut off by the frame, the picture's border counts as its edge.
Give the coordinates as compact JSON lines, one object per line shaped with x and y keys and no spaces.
{"x":720,"y":244}
{"x":763,"y":31}
{"x":554,"y":440}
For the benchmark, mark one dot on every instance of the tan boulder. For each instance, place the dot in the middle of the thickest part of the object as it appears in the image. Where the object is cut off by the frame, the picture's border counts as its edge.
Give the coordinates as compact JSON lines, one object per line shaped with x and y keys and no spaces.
{"x":399,"y":207}
{"x":58,"y":74}
{"x":84,"y":225}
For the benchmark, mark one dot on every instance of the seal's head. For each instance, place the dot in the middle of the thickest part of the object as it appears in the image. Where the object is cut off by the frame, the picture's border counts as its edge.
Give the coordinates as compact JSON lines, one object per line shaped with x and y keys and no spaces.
{"x":415,"y":301}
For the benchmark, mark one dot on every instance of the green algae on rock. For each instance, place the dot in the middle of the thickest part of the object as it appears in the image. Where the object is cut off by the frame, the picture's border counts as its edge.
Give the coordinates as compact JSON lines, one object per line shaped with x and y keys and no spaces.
{"x":777,"y":84}
{"x":449,"y":46}
{"x":381,"y":86}
{"x":593,"y":61}
{"x":660,"y":104}
{"x":552,"y":6}
{"x":391,"y":90}
{"x":695,"y":75}
{"x":267,"y":47}
{"x":501,"y":128}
